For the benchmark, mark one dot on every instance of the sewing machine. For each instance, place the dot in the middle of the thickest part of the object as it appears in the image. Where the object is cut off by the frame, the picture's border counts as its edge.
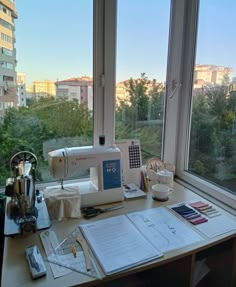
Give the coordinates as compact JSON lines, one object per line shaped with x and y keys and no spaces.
{"x":105,"y":184}
{"x":25,"y":209}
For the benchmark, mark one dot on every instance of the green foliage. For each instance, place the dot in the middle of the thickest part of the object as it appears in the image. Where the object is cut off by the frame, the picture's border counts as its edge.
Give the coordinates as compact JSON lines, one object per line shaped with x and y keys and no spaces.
{"x":63,"y":118}
{"x":212,"y":152}
{"x":140,"y":116}
{"x":138,"y":97}
{"x":212,"y":149}
{"x":45,"y":119}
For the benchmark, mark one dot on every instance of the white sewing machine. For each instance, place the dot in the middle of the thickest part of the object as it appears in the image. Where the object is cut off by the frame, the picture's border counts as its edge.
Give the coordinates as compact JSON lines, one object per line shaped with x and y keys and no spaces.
{"x":105,"y":184}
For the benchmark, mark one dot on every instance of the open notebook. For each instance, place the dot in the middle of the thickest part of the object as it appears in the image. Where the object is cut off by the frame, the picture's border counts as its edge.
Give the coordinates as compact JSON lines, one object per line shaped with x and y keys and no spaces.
{"x":125,"y":241}
{"x":117,"y":244}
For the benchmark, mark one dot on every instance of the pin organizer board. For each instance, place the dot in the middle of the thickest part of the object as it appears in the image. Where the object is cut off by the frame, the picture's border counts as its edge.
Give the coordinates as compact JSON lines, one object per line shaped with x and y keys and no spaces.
{"x":131,"y":160}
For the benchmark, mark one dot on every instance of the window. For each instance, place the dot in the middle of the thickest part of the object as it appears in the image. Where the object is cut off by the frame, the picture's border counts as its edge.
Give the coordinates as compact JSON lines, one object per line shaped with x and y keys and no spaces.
{"x":207,"y":142}
{"x":6,"y":38}
{"x":141,"y":68}
{"x":8,"y":78}
{"x":212,"y":152}
{"x":155,"y":40}
{"x":42,"y":54}
{"x":5,"y":24}
{"x":5,"y":10}
{"x":7,"y":52}
{"x":7,"y":65}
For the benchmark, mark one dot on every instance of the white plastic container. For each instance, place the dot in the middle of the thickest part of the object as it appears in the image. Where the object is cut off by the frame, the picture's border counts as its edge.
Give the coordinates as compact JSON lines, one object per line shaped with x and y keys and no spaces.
{"x":165,"y":177}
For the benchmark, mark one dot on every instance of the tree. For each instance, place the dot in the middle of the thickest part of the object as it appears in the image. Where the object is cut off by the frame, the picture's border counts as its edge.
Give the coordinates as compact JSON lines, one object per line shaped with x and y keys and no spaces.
{"x":28,"y":128}
{"x":213,"y":143}
{"x":141,"y":114}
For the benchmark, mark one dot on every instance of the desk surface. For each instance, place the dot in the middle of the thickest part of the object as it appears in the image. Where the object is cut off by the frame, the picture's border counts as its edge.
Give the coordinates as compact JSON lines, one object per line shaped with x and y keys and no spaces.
{"x":15,"y":271}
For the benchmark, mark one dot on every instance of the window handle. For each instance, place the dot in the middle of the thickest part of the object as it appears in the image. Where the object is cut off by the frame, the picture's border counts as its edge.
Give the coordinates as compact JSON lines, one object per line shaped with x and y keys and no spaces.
{"x":175,"y":88}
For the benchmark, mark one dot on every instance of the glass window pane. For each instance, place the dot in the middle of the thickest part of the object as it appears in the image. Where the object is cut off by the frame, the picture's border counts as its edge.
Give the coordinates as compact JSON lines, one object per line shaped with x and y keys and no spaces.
{"x":212,"y":153}
{"x":48,"y":104}
{"x":142,"y":43}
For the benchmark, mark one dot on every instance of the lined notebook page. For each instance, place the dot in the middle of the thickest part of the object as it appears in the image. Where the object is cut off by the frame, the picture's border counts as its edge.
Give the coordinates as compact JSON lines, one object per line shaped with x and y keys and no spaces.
{"x":117,"y":243}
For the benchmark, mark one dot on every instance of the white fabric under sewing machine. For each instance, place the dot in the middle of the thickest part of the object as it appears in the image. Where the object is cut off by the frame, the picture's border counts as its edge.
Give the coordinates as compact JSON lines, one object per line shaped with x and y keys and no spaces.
{"x":63,"y":203}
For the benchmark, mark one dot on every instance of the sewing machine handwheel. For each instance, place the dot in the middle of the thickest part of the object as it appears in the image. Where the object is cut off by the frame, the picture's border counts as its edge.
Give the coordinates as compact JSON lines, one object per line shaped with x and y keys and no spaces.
{"x":23,"y":156}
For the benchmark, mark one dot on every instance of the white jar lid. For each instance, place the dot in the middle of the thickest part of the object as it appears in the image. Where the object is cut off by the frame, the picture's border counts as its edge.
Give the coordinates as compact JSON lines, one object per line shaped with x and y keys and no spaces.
{"x":165,"y":172}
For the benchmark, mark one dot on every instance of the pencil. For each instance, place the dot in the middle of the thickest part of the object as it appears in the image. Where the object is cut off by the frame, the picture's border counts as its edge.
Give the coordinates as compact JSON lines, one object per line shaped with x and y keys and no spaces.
{"x":73,"y":249}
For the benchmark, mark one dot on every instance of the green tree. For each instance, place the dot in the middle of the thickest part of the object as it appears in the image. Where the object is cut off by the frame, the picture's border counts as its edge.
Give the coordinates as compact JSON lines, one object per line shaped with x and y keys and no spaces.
{"x":140,"y":116}
{"x":138,"y":98}
{"x":45,"y":119}
{"x":213,"y":141}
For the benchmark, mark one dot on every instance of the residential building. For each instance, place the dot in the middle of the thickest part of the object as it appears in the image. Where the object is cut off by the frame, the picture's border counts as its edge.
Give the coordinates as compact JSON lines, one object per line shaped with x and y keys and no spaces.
{"x":80,"y":88}
{"x":121,"y":93}
{"x":21,"y":90}
{"x":29,"y":91}
{"x":21,"y":78}
{"x":8,"y":87}
{"x":43,"y":89}
{"x":211,"y":75}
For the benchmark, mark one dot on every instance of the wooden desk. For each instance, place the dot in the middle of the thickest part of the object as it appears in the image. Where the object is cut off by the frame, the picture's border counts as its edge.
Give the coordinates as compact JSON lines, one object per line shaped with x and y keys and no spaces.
{"x":175,"y":268}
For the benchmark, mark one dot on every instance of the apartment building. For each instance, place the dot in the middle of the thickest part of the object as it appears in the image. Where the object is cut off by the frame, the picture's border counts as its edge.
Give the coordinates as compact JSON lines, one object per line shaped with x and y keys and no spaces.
{"x":8,"y":86}
{"x":80,"y":88}
{"x":43,"y":89}
{"x":211,"y":75}
{"x":121,"y":93}
{"x":21,"y":89}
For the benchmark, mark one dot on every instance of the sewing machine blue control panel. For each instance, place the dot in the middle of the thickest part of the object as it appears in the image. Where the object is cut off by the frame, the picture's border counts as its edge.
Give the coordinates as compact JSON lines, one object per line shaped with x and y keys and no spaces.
{"x":111,"y":174}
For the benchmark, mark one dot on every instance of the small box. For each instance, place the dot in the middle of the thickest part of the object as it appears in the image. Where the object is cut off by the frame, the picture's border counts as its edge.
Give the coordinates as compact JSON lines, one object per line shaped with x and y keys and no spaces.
{"x":35,"y":261}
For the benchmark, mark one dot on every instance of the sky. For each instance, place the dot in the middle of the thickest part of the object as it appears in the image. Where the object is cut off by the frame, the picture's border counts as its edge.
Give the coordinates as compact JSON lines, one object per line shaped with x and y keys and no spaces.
{"x":54,"y":37}
{"x":216,"y":33}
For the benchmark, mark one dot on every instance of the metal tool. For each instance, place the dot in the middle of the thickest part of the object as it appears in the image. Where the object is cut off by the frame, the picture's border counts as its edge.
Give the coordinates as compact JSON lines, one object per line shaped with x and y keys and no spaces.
{"x":89,"y":212}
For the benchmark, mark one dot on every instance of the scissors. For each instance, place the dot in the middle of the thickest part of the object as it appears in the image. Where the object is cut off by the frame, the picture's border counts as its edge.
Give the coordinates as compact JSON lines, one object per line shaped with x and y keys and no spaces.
{"x":89,"y":212}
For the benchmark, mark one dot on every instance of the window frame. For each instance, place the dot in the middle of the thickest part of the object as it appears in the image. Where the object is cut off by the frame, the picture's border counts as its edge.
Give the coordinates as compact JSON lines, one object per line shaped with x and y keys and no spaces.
{"x":173,"y":81}
{"x":104,"y":36}
{"x":200,"y":185}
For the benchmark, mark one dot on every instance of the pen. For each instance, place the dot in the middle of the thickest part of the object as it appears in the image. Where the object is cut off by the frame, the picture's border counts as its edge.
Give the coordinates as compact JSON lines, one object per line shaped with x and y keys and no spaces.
{"x":131,"y":190}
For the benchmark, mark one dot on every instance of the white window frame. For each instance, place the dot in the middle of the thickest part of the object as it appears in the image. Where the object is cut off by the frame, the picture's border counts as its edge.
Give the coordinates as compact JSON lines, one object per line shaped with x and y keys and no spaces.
{"x":173,"y":81}
{"x":176,"y":148}
{"x":104,"y":70}
{"x":104,"y":77}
